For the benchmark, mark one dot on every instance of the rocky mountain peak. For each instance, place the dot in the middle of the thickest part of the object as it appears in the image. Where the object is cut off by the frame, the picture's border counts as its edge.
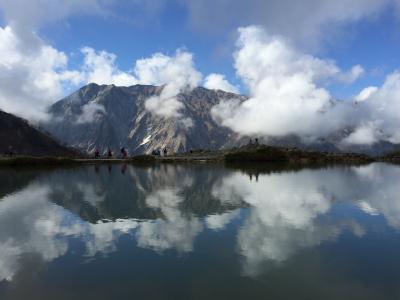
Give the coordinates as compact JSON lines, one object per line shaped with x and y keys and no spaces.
{"x":103,"y":116}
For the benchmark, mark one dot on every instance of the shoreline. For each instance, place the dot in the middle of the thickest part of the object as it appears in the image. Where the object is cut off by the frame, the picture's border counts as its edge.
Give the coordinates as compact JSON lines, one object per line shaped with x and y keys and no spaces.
{"x":261,"y":154}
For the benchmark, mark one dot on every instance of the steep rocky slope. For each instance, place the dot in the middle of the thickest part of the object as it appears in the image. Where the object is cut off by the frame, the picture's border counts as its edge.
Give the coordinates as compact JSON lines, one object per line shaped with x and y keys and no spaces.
{"x":21,"y":138}
{"x":118,"y":118}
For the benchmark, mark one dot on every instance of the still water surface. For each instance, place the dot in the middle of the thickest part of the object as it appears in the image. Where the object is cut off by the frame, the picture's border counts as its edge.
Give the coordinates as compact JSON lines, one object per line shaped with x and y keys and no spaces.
{"x":200,"y":232}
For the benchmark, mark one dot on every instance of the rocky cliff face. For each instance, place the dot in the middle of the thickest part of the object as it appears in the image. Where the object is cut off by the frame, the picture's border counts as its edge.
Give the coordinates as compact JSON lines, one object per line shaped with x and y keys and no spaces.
{"x":21,"y":138}
{"x":98,"y":117}
{"x":106,"y":116}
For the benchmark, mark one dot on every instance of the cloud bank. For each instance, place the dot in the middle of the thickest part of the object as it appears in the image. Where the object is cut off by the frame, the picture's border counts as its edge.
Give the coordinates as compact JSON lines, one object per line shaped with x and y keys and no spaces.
{"x":286,"y":92}
{"x":289,"y":95}
{"x":378,"y":119}
{"x":32,"y":74}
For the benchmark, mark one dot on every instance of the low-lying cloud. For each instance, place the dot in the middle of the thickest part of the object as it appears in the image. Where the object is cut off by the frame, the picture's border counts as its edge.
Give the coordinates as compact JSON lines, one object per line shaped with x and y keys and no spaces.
{"x":218,"y":82}
{"x":289,"y":95}
{"x":176,"y":73}
{"x":89,"y":112}
{"x":378,"y":118}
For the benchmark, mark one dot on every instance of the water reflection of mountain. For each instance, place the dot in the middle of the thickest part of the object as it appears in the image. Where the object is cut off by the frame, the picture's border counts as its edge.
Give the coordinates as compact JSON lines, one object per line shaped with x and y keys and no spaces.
{"x":12,"y":180}
{"x":120,"y":192}
{"x":167,"y":207}
{"x":97,"y":193}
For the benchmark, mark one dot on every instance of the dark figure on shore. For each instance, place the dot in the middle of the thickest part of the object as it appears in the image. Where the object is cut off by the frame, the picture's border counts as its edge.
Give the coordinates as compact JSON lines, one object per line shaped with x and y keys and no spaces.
{"x":97,"y":153}
{"x":256,"y":141}
{"x":124,"y":153}
{"x":109,"y":153}
{"x":251,"y":142}
{"x":165,"y":151}
{"x":10,"y":151}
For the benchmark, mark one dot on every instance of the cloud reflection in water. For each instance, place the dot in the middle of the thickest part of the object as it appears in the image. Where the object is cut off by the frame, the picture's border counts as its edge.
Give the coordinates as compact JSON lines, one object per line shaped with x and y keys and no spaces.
{"x":167,"y":207}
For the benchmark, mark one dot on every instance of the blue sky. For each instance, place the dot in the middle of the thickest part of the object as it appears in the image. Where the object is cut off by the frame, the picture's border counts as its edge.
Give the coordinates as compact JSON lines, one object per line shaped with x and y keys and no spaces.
{"x":130,"y":33}
{"x":373,"y":43}
{"x":131,"y":41}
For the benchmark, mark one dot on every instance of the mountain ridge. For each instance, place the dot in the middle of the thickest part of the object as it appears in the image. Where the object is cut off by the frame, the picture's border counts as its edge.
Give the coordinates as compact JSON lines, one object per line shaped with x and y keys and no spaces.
{"x":119,"y":119}
{"x":128,"y":124}
{"x":18,"y":137}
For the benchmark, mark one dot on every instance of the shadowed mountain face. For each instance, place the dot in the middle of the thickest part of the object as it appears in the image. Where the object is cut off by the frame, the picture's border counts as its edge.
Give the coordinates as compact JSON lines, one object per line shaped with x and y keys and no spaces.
{"x":21,"y":138}
{"x":106,"y":116}
{"x":109,"y":116}
{"x":116,"y":192}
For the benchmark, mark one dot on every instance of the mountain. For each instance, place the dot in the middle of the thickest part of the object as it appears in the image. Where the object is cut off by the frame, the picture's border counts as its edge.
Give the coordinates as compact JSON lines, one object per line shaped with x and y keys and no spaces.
{"x":107,"y":116}
{"x":119,"y":119}
{"x":18,"y":136}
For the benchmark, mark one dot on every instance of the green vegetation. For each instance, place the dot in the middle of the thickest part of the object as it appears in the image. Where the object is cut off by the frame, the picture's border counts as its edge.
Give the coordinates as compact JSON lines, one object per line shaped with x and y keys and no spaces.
{"x":393,"y":157}
{"x":293,"y":155}
{"x":245,"y":154}
{"x":142,"y":159}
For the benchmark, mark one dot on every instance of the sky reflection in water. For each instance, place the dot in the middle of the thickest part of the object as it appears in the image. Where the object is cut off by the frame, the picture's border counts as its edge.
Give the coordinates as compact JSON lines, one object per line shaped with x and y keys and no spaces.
{"x":172,"y":232}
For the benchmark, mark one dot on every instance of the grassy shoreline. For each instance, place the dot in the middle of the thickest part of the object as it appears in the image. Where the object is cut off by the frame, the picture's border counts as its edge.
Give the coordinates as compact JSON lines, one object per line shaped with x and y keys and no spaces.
{"x":258,"y":154}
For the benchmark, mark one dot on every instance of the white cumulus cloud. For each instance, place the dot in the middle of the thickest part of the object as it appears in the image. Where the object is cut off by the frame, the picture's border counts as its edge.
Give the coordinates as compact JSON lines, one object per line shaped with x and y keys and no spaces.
{"x":32,"y":74}
{"x":99,"y":67}
{"x":218,"y":82}
{"x":366,"y":93}
{"x":378,"y":113}
{"x":177,"y":74}
{"x":286,"y":89}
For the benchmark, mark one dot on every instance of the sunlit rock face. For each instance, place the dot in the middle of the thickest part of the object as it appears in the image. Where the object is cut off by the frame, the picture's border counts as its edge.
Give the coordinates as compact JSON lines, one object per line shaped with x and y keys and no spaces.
{"x":106,"y":116}
{"x":274,"y":215}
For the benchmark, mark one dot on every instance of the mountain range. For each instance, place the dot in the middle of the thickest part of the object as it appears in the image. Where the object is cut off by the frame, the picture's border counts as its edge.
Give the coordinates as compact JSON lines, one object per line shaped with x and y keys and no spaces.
{"x":110,"y":117}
